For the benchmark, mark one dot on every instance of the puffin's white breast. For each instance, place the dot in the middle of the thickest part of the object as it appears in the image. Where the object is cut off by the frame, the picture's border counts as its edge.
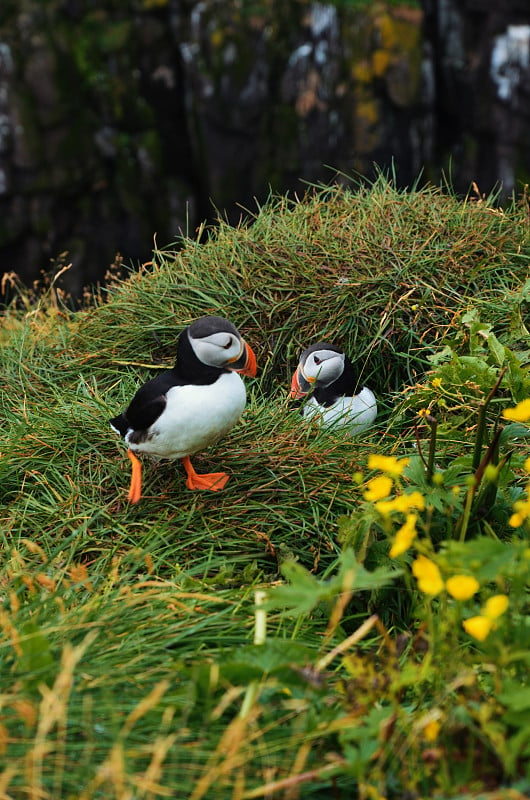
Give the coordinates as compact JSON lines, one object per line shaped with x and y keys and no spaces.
{"x":355,"y":413}
{"x":195,"y":417}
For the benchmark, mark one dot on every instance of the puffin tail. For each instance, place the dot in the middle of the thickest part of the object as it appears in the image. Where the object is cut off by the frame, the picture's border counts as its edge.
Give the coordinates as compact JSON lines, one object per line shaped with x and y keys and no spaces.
{"x":119,"y":424}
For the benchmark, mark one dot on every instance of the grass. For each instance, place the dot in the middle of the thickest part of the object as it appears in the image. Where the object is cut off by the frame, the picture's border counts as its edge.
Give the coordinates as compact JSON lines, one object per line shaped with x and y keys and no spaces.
{"x":128,"y":658}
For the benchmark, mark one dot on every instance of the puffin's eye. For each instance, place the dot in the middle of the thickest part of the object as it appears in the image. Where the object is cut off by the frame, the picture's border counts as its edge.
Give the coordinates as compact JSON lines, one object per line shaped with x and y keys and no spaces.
{"x":228,"y":345}
{"x":317,"y":360}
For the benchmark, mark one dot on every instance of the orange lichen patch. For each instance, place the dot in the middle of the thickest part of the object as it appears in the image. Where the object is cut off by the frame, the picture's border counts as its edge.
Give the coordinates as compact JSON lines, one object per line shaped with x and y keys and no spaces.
{"x":362,"y":72}
{"x":386,"y":29}
{"x":414,"y":16}
{"x":308,"y":98}
{"x":380,"y":61}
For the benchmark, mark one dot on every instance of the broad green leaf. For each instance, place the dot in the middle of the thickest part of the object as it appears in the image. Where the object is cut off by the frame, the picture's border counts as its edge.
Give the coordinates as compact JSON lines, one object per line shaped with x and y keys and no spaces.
{"x":305,"y":592}
{"x":255,"y":660}
{"x":516,"y":697}
{"x":37,"y":663}
{"x":497,"y":350}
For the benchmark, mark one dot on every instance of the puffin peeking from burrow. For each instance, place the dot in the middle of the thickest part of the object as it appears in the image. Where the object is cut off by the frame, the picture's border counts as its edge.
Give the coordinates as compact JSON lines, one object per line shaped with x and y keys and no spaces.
{"x":187,"y":408}
{"x":337,"y":398}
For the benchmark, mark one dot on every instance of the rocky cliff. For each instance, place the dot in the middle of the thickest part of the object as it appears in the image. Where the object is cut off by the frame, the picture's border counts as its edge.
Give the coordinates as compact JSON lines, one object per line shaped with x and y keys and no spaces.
{"x":128,"y":121}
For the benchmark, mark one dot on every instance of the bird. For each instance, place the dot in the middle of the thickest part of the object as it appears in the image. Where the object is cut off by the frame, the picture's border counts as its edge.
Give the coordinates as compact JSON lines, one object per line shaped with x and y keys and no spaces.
{"x":189,"y":407}
{"x":337,"y":398}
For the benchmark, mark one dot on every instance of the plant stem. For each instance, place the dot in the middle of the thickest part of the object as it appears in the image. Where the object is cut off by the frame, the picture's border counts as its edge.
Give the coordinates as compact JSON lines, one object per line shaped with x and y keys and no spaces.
{"x":477,"y":478}
{"x":464,"y":522}
{"x":481,"y":424}
{"x":432,"y":447}
{"x":260,"y":635}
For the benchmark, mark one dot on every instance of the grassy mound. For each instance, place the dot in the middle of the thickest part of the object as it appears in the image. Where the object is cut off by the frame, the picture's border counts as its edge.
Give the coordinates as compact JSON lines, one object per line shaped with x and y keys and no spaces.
{"x":382,"y":272}
{"x":128,"y":661}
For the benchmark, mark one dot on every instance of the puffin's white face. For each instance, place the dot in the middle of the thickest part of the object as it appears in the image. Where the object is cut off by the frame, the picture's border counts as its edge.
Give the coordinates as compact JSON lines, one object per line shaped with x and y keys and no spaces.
{"x":322,"y":367}
{"x":218,"y":349}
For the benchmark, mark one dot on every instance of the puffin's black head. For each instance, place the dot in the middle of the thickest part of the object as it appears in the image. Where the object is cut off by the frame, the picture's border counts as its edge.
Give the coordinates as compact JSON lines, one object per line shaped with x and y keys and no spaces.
{"x":216,"y":344}
{"x":319,"y":366}
{"x":208,"y":326}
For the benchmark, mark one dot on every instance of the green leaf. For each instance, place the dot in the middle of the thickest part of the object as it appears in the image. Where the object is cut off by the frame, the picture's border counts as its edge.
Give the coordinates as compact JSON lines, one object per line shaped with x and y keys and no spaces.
{"x":516,"y":697}
{"x":497,"y":349}
{"x":255,"y":660}
{"x":483,"y":557}
{"x":514,"y":431}
{"x":305,"y":592}
{"x":441,"y":356}
{"x":36,"y":664}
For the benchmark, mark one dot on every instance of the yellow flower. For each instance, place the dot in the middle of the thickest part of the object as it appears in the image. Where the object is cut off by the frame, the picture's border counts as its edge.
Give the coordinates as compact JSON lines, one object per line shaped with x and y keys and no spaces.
{"x":462,"y":587}
{"x":428,"y":576}
{"x":377,"y":488}
{"x":394,"y":466}
{"x":495,"y":606}
{"x":478,"y":627}
{"x":521,"y":412}
{"x":522,"y":512}
{"x":424,"y":412}
{"x":403,"y":502}
{"x":431,"y":730}
{"x":436,"y":382}
{"x":527,"y":465}
{"x":404,"y":536}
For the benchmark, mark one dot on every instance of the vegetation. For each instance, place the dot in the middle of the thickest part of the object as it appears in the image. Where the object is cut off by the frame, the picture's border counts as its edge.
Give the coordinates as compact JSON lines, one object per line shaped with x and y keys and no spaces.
{"x":348,"y":618}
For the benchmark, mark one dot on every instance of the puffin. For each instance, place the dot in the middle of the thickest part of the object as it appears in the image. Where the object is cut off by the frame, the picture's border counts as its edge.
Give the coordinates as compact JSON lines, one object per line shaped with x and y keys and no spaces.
{"x":189,"y":407}
{"x":337,"y":398}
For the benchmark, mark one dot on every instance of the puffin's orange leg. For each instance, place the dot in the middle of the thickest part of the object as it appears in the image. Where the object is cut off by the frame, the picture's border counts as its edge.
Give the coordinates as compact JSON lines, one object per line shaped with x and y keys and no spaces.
{"x":135,"y":489}
{"x":212,"y":480}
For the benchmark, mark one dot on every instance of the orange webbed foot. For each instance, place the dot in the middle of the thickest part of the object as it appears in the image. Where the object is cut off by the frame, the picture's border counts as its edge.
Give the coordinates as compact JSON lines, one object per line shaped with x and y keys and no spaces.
{"x":211,"y":481}
{"x":135,"y":489}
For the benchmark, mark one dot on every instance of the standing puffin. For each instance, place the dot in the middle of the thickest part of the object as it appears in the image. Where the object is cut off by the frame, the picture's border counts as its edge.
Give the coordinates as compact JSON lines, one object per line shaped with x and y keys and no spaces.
{"x":328,"y":371}
{"x":187,"y":408}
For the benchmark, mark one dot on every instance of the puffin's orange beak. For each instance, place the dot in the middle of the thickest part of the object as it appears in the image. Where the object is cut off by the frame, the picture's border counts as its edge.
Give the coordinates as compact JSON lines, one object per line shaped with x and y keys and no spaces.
{"x":250,"y":366}
{"x":296,"y":389}
{"x":300,"y":385}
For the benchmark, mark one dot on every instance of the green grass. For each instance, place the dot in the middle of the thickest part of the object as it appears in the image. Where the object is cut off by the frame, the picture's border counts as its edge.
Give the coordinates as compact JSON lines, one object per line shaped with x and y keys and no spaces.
{"x":127,"y":649}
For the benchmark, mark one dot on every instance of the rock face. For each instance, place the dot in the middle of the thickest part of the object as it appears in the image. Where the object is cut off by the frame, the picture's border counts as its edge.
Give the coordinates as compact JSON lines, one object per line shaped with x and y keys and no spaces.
{"x":136,"y":122}
{"x":481,"y":53}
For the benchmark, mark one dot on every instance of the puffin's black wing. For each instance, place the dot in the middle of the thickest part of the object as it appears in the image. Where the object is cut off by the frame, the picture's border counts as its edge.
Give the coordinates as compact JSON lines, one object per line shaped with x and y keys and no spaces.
{"x":147,"y":404}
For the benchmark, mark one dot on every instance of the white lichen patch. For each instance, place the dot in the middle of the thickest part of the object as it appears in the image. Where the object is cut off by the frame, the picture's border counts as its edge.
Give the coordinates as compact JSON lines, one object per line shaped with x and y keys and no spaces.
{"x":510,"y":57}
